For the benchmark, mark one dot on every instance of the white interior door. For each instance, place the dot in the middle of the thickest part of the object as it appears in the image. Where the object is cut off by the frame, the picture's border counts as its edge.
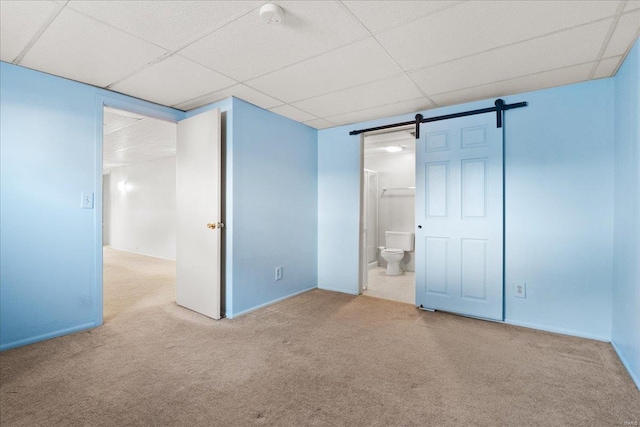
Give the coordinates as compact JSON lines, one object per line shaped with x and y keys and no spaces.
{"x":198,"y":203}
{"x":459,"y":212}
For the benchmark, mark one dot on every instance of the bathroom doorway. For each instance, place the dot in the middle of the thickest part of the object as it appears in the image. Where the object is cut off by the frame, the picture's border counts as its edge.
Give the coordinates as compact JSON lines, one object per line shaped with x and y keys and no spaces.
{"x":387,"y":251}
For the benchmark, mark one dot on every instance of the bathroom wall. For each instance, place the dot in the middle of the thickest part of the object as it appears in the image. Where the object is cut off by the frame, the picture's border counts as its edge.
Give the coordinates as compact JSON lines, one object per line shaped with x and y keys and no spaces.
{"x":50,"y":248}
{"x":396,"y":208}
{"x":143,"y":217}
{"x":558,"y":206}
{"x":625,"y":334}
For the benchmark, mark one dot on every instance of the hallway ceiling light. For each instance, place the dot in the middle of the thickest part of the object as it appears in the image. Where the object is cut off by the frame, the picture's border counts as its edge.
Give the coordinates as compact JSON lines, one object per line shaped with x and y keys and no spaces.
{"x":393,"y":148}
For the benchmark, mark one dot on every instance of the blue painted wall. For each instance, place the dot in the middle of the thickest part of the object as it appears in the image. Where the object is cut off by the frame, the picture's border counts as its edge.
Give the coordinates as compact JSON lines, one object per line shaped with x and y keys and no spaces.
{"x":50,"y":249}
{"x":625,"y":332}
{"x":50,"y":272}
{"x":559,"y":206}
{"x":559,"y":209}
{"x":339,"y":164}
{"x":274,"y":187}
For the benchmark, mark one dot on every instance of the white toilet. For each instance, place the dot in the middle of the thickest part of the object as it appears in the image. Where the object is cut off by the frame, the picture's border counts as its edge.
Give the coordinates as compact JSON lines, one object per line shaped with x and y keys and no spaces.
{"x":397,"y":242}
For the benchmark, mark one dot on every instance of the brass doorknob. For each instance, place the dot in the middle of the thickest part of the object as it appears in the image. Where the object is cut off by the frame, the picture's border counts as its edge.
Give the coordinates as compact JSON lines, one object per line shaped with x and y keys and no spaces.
{"x":211,"y":226}
{"x":216,"y":225}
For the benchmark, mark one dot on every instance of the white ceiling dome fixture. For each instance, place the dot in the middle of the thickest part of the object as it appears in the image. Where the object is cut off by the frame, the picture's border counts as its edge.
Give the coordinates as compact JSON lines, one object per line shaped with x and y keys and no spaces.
{"x":271,"y":13}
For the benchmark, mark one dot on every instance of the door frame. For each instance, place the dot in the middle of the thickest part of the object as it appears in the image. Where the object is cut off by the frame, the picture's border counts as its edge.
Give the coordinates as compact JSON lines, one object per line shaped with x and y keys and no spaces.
{"x":361,"y":272}
{"x":361,"y":250}
{"x":134,"y":106}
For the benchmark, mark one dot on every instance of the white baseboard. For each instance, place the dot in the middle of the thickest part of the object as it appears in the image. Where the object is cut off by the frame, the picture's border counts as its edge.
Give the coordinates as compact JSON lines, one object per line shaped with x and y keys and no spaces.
{"x":342,"y":291}
{"x":143,"y":254}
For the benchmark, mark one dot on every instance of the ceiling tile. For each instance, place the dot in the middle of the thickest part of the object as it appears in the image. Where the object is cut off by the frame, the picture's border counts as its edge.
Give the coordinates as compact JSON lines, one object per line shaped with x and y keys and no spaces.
{"x":375,"y":144}
{"x":169,"y":24}
{"x":382,"y":15}
{"x":114,"y":121}
{"x":187,"y":79}
{"x":632,"y":4}
{"x":398,"y":108}
{"x":80,"y":48}
{"x":383,"y":92}
{"x":607,"y":67}
{"x":19,"y":22}
{"x":239,"y":91}
{"x":145,"y":140}
{"x":358,"y":63}
{"x":293,"y":113}
{"x":533,"y":82}
{"x":477,"y":26}
{"x":624,"y":34}
{"x":319,"y":123}
{"x":124,"y":113}
{"x":249,"y":47}
{"x":148,"y":132}
{"x":558,"y":50}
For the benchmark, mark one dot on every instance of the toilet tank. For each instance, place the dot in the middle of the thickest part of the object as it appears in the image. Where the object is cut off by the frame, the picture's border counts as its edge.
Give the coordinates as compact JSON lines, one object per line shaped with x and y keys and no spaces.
{"x":399,"y":240}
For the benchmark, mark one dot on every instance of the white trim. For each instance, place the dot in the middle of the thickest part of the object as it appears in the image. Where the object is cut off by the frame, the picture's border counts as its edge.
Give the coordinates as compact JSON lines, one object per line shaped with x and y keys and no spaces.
{"x":128,"y":104}
{"x":342,"y":291}
{"x":141,"y":253}
{"x":241,"y":313}
{"x":562,"y":331}
{"x":633,"y":376}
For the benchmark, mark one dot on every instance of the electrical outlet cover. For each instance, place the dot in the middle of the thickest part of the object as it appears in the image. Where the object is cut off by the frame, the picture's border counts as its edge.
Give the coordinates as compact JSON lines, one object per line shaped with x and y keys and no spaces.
{"x":86,"y":200}
{"x":520,"y":290}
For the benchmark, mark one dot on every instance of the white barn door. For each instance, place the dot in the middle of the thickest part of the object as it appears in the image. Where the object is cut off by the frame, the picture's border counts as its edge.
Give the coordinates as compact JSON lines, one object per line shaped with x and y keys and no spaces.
{"x":459,"y":213}
{"x":198,"y":203}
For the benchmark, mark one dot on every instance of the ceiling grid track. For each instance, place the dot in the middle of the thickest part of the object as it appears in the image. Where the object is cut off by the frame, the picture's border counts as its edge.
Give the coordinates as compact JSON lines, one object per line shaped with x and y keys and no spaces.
{"x":515,"y":78}
{"x":40,"y":32}
{"x":176,"y":51}
{"x":513,"y":44}
{"x":329,"y":63}
{"x":607,"y":39}
{"x":404,"y":72}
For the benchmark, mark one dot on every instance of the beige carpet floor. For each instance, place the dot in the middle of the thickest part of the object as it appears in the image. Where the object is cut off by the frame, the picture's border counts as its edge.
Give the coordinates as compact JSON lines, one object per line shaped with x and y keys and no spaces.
{"x":318,"y":359}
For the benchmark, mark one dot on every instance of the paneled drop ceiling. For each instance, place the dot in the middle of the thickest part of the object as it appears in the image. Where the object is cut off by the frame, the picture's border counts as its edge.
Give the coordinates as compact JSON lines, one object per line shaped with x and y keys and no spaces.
{"x":379,"y":144}
{"x":330,"y":62}
{"x":133,"y":138}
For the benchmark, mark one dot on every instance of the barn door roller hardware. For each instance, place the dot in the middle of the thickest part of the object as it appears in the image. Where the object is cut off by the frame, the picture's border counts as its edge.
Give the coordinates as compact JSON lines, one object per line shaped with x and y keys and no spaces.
{"x":499,"y":107}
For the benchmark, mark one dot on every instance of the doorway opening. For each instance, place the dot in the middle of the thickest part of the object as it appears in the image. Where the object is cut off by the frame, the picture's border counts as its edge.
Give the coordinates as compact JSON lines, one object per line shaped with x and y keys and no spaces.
{"x":138,"y":211}
{"x":388,"y":215}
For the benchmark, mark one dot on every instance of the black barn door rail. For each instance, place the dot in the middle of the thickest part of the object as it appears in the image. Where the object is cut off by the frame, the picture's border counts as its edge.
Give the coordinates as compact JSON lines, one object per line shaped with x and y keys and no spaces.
{"x":499,"y":107}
